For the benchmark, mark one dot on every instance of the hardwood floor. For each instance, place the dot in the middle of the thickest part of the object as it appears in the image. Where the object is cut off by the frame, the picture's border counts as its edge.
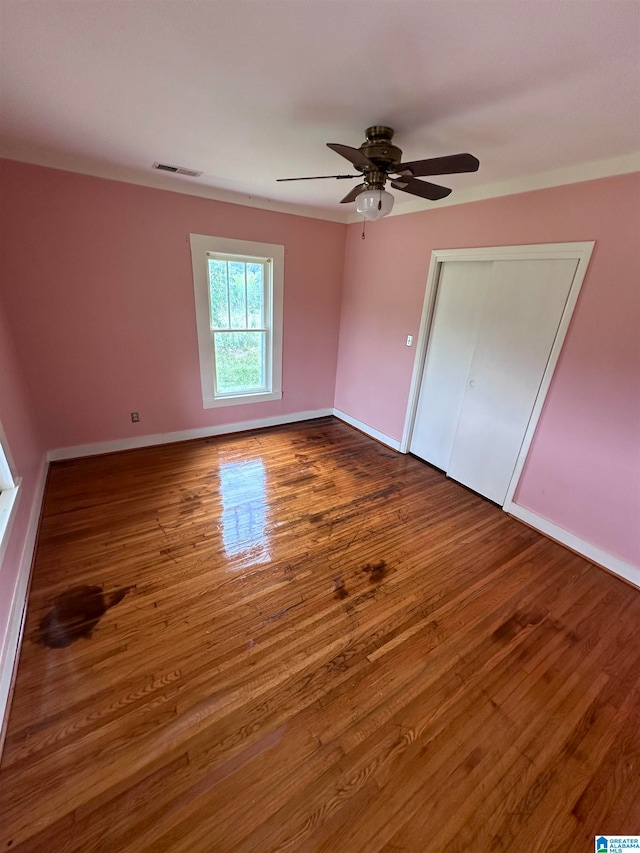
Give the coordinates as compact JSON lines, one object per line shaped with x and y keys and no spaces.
{"x":297,"y":639}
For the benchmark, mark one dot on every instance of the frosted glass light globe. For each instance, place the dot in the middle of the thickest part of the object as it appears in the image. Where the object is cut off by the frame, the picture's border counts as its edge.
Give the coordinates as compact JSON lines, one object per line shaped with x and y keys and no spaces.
{"x":374,"y":204}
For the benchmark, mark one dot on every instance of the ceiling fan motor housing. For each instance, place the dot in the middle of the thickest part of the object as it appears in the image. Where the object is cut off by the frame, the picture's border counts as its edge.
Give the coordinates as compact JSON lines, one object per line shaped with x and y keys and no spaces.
{"x":380,"y":150}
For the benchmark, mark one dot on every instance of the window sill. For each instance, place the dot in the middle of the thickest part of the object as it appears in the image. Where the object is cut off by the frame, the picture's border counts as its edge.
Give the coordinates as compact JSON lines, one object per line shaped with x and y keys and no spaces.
{"x":240,"y":399}
{"x":8,"y":503}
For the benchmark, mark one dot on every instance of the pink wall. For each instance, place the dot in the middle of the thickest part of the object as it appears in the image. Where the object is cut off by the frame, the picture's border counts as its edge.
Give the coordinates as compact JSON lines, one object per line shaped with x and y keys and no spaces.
{"x":27,"y":452}
{"x":100,"y":299}
{"x":98,"y":295}
{"x":583,"y":471}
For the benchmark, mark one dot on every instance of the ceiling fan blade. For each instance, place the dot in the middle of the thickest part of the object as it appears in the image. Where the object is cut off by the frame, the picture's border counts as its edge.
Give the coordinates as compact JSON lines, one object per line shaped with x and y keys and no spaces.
{"x":319,"y":178}
{"x":353,"y":155}
{"x":422,"y":188}
{"x":353,"y":194}
{"x":450,"y":165}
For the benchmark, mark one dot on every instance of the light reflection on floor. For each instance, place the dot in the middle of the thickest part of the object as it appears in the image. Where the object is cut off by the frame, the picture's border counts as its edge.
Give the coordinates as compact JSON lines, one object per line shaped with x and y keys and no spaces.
{"x":243,"y":488}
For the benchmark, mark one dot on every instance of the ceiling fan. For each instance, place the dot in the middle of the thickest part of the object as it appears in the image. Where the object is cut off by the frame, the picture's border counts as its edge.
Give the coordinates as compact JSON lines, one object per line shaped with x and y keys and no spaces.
{"x":378,"y":159}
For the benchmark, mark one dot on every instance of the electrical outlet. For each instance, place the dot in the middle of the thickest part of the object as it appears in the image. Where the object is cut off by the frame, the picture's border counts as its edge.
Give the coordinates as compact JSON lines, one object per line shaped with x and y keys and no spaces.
{"x":409,"y":340}
{"x":135,"y":417}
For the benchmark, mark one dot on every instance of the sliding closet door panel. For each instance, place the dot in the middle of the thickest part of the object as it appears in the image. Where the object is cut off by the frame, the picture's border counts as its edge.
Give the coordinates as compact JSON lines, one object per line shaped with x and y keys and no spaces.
{"x":520,"y":318}
{"x":454,"y":328}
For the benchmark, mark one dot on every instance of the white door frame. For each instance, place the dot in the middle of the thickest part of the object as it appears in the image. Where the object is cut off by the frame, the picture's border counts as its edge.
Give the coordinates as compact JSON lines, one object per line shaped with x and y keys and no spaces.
{"x":581,"y":252}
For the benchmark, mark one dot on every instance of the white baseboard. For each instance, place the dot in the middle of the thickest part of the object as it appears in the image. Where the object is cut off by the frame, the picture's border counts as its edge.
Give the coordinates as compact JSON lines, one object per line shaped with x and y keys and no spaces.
{"x":182,"y":435}
{"x":575,"y":543}
{"x":13,"y":638}
{"x":365,"y":428}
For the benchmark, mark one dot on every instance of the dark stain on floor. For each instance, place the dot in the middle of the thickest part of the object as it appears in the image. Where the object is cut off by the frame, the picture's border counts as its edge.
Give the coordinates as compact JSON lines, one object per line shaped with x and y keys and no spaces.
{"x":521,"y":619}
{"x":339,"y":589}
{"x":75,"y":613}
{"x":376,"y":571}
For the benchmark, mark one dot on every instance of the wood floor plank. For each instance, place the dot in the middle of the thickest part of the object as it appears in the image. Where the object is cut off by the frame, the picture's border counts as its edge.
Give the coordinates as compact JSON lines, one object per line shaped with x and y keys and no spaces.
{"x":305,"y":641}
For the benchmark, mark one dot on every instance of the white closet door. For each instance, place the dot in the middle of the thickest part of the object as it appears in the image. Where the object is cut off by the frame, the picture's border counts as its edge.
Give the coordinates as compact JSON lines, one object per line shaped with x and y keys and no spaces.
{"x":461,"y":290}
{"x":520,"y":318}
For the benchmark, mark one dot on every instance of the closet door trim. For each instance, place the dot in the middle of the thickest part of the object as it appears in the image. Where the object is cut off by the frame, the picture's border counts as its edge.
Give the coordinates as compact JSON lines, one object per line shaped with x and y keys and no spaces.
{"x":581,"y":252}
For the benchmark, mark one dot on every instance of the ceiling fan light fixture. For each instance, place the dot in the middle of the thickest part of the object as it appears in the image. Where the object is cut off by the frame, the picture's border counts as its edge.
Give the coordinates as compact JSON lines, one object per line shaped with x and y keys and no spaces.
{"x":374,"y":204}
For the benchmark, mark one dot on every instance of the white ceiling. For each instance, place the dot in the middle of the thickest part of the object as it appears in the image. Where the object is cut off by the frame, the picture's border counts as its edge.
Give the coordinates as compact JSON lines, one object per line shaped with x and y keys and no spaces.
{"x":249,"y":91}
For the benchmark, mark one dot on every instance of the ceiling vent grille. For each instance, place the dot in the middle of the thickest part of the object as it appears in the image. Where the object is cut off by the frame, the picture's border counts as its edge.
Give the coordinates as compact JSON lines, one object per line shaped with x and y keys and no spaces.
{"x":177,"y":170}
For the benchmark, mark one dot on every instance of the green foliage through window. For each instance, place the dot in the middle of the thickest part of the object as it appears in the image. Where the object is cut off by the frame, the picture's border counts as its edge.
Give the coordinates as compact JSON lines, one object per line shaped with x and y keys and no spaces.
{"x":239,"y":361}
{"x":238,"y":324}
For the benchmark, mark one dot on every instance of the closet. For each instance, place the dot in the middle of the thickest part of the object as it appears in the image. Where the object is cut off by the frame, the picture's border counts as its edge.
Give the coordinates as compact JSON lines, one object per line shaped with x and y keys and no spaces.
{"x":492,"y":331}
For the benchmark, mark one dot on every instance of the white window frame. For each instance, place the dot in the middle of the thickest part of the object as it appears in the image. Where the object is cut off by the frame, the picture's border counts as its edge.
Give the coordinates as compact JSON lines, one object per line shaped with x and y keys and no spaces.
{"x":202,"y":246}
{"x":9,"y":486}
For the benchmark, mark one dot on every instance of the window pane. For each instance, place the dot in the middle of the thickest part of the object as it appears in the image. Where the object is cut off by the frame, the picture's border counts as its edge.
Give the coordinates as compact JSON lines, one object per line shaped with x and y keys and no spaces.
{"x":237,"y":295}
{"x":255,"y":296}
{"x":239,"y":361}
{"x":218,"y":294}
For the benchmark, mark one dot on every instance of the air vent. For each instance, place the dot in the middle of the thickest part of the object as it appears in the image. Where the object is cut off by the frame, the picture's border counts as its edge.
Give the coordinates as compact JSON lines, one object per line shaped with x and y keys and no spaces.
{"x":178,"y":170}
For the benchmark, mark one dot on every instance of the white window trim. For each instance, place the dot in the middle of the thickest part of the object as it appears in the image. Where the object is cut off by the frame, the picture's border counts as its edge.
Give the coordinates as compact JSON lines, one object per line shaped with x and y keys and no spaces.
{"x":201,"y":244}
{"x":9,"y":486}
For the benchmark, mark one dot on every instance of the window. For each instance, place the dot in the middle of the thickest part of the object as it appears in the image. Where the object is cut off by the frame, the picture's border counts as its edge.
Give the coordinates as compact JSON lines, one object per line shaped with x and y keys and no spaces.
{"x":238,"y":289}
{"x":8,"y":495}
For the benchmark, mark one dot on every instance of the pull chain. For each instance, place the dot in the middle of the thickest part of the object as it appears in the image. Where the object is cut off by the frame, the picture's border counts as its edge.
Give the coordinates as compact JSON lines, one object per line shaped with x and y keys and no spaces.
{"x":364,"y":222}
